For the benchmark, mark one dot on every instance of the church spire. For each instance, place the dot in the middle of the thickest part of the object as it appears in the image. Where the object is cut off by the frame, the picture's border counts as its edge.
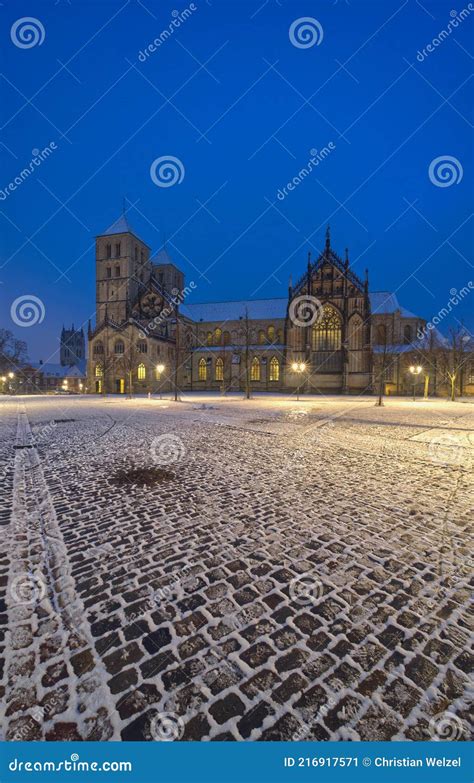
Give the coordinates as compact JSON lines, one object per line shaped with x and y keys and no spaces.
{"x":328,"y":238}
{"x":347,"y":258}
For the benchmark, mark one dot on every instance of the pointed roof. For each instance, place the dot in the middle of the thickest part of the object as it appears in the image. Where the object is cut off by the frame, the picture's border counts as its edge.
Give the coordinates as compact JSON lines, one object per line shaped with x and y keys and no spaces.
{"x":121,"y":226}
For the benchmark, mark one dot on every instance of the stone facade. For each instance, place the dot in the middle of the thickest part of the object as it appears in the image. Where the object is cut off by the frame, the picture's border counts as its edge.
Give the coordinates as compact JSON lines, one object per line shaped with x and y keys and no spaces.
{"x":148,"y":338}
{"x":72,"y":347}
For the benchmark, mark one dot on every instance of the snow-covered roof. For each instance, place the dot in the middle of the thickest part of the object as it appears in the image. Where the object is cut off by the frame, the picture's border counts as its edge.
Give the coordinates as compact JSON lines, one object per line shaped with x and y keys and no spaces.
{"x":276,"y":348}
{"x":121,"y":226}
{"x":57,"y":370}
{"x":233,"y":311}
{"x":386,"y":302}
{"x":163,"y":257}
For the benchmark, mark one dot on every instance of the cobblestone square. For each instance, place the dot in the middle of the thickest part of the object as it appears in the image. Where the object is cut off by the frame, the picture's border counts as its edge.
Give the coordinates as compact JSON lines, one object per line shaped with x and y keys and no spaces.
{"x":222,"y":569}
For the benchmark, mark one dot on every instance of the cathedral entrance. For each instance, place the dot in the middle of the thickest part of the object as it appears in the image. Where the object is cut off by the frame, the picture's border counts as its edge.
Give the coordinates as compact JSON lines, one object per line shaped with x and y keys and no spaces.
{"x":98,"y":387}
{"x":120,"y":385}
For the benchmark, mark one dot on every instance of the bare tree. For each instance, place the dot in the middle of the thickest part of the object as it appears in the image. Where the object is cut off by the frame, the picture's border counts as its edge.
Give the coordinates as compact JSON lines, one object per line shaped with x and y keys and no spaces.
{"x":453,"y":357}
{"x":13,"y":352}
{"x":128,"y":362}
{"x":385,"y":361}
{"x":246,"y":332}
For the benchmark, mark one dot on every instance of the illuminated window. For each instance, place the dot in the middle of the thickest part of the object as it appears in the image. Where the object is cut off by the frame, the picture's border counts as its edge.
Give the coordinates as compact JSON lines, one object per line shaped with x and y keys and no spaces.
{"x":217,"y":336}
{"x":202,"y":372}
{"x":209,"y":338}
{"x":119,"y":346}
{"x":99,"y":371}
{"x":219,"y":370}
{"x":271,"y":334}
{"x":255,"y":369}
{"x":274,"y":369}
{"x":327,"y":331}
{"x":141,"y":372}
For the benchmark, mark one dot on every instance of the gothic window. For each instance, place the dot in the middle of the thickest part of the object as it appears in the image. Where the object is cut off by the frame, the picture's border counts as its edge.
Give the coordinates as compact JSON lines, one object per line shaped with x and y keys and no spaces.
{"x":109,"y":272}
{"x":274,"y":369}
{"x":99,"y":371}
{"x":142,"y":346}
{"x":470,"y":375}
{"x":202,"y":373}
{"x":219,"y":370}
{"x":108,"y":251}
{"x":117,"y":271}
{"x":381,"y":334}
{"x":261,"y":337}
{"x":271,"y":334}
{"x":141,"y":372}
{"x":217,"y":336}
{"x":280,"y":336}
{"x":209,"y":338}
{"x":98,"y":348}
{"x":255,"y":369}
{"x":407,"y":334}
{"x":226,"y":338}
{"x":119,"y":346}
{"x":327,"y":331}
{"x":117,"y":250}
{"x":356,"y":333}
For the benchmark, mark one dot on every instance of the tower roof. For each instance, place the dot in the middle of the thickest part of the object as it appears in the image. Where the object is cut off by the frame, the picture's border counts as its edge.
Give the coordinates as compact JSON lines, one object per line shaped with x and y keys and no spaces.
{"x":121,"y":226}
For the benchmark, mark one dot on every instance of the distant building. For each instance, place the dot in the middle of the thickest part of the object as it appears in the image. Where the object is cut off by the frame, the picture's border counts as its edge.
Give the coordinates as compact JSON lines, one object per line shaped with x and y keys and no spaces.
{"x":72,"y":347}
{"x":355,"y":338}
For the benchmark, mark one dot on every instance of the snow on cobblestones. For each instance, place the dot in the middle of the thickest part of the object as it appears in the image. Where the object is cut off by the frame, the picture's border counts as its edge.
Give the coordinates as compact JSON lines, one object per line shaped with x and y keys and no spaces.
{"x":296,"y":570}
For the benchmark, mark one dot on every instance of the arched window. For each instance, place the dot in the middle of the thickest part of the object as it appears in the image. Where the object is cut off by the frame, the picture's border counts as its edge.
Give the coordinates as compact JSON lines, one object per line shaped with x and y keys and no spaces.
{"x":280,"y":336}
{"x":141,"y":372}
{"x":407,"y":334}
{"x":142,"y":346}
{"x":226,"y":338}
{"x":327,"y":331}
{"x":274,"y":369}
{"x":217,"y":336}
{"x":209,"y":338}
{"x":202,"y":371}
{"x":119,"y":346}
{"x":271,"y":334}
{"x":98,"y":349}
{"x":356,"y":333}
{"x":261,"y":337}
{"x":219,"y":370}
{"x":255,"y":369}
{"x":381,"y":334}
{"x":99,"y":370}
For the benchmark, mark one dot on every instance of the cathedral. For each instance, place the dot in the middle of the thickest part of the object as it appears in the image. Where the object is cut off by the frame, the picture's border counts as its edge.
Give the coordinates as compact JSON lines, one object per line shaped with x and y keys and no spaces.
{"x":326,"y":336}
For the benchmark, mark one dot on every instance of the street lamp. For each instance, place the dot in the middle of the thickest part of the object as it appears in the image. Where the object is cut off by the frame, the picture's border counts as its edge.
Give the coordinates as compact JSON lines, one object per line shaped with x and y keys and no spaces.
{"x":415,"y":371}
{"x":160,"y":368}
{"x":11,"y":376}
{"x":298,"y":367}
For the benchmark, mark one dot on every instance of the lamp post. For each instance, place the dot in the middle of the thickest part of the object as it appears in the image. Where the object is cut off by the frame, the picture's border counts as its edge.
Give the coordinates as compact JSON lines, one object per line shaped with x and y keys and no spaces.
{"x":4,"y":380}
{"x":298,"y":367}
{"x":159,"y":370}
{"x":415,"y":371}
{"x":11,"y":376}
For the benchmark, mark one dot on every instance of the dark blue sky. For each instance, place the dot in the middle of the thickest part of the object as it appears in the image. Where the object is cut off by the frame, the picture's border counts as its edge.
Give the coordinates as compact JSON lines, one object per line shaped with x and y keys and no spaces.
{"x":230,"y":72}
